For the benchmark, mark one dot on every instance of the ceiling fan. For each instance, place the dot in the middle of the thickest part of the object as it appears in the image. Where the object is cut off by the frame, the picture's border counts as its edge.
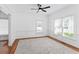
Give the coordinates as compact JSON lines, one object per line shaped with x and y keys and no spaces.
{"x":40,"y":8}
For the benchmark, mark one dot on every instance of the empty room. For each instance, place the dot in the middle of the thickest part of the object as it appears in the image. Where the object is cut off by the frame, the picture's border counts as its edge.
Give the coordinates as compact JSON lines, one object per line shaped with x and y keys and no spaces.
{"x":39,"y":28}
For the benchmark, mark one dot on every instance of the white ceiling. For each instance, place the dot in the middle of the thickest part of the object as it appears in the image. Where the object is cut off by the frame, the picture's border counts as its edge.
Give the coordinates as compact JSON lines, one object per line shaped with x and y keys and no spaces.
{"x":26,"y":8}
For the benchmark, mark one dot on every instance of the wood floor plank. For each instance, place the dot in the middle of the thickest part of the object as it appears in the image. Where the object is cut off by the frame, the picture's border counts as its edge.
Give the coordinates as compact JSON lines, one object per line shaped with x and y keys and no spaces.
{"x":4,"y":49}
{"x":14,"y":46}
{"x":65,"y":44}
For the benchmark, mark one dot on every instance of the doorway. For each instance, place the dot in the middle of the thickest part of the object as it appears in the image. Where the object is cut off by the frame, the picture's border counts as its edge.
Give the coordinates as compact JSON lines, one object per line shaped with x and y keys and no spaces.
{"x":4,"y":32}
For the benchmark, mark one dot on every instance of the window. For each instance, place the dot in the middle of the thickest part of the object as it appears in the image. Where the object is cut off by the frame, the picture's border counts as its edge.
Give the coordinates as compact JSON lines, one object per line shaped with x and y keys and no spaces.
{"x":68,"y":26}
{"x":58,"y":26}
{"x":39,"y":27}
{"x":3,"y":27}
{"x":64,"y":26}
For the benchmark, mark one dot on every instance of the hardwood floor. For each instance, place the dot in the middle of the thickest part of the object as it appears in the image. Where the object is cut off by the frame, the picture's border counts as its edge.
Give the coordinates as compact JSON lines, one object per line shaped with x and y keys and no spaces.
{"x":15,"y":44}
{"x":4,"y":49}
{"x":65,"y":44}
{"x":11,"y":50}
{"x":43,"y":45}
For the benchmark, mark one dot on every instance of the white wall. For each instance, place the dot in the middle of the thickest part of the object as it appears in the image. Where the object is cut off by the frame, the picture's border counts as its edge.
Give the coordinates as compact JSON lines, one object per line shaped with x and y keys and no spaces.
{"x":72,"y":10}
{"x":22,"y":21}
{"x":23,"y":26}
{"x":3,"y":26}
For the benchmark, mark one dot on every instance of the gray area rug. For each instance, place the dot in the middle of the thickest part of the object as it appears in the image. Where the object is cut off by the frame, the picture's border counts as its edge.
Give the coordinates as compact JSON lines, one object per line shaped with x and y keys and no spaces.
{"x":42,"y":46}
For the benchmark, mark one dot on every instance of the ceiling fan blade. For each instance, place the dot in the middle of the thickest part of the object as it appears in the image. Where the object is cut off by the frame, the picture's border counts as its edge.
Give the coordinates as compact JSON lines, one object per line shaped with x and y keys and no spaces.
{"x":46,"y":7}
{"x":33,"y":9}
{"x":43,"y":10}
